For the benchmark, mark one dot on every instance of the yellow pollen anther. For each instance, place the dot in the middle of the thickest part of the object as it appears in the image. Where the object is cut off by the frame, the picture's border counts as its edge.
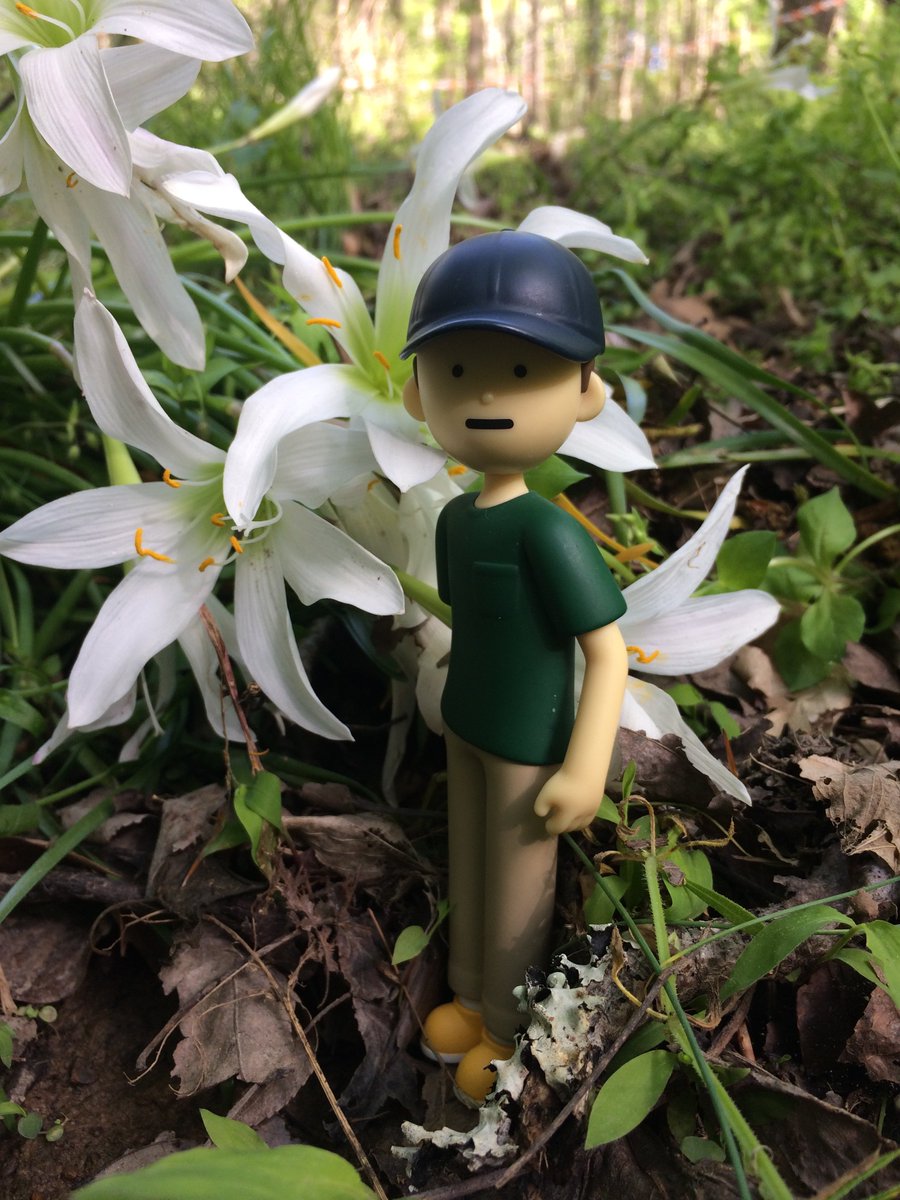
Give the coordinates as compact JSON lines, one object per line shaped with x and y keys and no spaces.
{"x":218,"y":519}
{"x":236,"y":545}
{"x":397,"y":233}
{"x":167,"y":478}
{"x":379,"y":357}
{"x":459,"y":469}
{"x":26,"y":11}
{"x":324,"y":321}
{"x":71,"y":180}
{"x":207,"y":562}
{"x":332,"y":273}
{"x":642,"y":657}
{"x":145,"y":553}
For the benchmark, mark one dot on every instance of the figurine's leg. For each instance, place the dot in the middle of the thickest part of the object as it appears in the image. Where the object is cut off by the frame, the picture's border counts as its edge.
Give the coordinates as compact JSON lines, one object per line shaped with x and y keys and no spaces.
{"x":466,"y":817}
{"x":451,"y":1030}
{"x":520,"y":888}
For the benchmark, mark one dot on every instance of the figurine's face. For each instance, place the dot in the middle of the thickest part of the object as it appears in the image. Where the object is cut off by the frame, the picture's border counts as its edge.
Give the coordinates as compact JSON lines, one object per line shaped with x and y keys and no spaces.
{"x":496,"y":402}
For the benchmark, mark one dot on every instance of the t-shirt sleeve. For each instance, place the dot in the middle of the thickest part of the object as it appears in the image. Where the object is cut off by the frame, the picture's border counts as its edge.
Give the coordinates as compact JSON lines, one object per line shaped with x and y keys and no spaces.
{"x":576,"y":587}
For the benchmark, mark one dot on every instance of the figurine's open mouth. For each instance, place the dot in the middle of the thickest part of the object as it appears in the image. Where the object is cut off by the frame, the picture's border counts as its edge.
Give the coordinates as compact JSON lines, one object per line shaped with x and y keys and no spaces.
{"x":489,"y":423}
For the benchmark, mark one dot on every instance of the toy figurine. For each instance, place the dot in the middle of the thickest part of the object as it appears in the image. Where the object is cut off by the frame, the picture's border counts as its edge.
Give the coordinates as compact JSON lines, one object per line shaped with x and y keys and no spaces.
{"x":505,"y":328}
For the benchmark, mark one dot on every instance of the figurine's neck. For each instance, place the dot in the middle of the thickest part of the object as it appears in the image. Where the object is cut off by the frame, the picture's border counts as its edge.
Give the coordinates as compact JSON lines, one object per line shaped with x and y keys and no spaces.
{"x":497,"y":489}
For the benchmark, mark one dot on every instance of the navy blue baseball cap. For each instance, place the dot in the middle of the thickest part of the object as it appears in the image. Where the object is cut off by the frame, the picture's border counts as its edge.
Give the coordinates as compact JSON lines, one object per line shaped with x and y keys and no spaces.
{"x":519,"y":283}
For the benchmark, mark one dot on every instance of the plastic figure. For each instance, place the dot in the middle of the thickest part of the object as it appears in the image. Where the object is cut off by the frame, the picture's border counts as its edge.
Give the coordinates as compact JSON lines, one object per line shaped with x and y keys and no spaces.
{"x":505,"y":328}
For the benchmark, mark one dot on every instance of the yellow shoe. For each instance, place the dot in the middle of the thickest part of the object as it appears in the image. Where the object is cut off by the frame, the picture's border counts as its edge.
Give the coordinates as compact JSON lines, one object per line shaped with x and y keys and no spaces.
{"x":475,"y":1076}
{"x":450,"y":1031}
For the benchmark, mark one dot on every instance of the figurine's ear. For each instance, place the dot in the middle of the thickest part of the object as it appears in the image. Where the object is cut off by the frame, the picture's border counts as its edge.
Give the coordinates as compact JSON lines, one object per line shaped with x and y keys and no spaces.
{"x":592,"y":398}
{"x":412,"y":401}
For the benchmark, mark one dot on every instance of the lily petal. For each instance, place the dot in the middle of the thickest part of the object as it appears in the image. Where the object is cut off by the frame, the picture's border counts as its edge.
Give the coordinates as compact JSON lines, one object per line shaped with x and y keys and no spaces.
{"x":648,"y":708}
{"x":611,"y":440}
{"x":145,"y":79}
{"x":279,"y":408}
{"x":140,"y":259}
{"x":575,"y":229}
{"x":58,"y":205}
{"x":211,"y":30}
{"x":679,"y":576}
{"x":319,"y":560}
{"x":118,"y":712}
{"x":315,"y":461}
{"x":404,"y":462}
{"x":12,"y":151}
{"x":146,"y":611}
{"x":72,"y":108}
{"x":120,"y":401}
{"x":94,"y":528}
{"x":421,"y":228}
{"x":268,"y":647}
{"x":221,"y":196}
{"x":699,"y":633}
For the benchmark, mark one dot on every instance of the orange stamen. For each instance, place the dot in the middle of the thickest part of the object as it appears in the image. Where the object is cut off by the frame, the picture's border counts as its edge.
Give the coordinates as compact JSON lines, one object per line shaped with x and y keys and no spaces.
{"x":218,"y":519}
{"x":207,"y":562}
{"x":332,"y":273}
{"x":236,"y":545}
{"x":324,"y":321}
{"x":167,"y":478}
{"x":379,"y":357}
{"x":641,"y":656}
{"x":145,"y":553}
{"x":397,"y":233}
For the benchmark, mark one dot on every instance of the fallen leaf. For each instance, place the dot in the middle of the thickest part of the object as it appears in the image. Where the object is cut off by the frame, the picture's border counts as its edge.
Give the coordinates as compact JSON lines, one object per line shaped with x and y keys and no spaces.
{"x":799,"y":711}
{"x":232,"y":1023}
{"x":875,"y":1041}
{"x":44,"y":955}
{"x":863,"y":802}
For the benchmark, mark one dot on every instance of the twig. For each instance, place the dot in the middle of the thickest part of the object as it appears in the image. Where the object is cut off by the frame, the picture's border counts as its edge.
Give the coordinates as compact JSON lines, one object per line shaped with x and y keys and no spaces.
{"x":285,"y":999}
{"x":731,"y":1027}
{"x":218,"y":642}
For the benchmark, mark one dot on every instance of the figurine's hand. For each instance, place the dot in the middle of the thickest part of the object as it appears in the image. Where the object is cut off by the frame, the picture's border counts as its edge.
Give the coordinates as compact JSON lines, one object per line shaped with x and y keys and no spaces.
{"x":568,"y":802}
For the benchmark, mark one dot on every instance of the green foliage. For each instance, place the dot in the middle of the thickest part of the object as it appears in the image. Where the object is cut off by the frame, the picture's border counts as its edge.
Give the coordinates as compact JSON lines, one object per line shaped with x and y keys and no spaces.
{"x":289,"y":1172}
{"x":413,"y":940}
{"x":627,"y":1096}
{"x":227,"y":1134}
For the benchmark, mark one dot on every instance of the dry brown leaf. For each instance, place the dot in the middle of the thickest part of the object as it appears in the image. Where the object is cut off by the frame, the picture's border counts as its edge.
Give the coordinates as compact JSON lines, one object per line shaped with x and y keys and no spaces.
{"x":863,"y":802}
{"x":44,"y":955}
{"x":800,"y":711}
{"x":233,"y":1024}
{"x":875,"y":1042}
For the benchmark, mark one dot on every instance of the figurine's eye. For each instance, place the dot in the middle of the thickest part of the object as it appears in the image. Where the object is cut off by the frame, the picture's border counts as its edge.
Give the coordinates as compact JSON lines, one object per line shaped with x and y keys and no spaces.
{"x":520,"y":370}
{"x":456,"y":370}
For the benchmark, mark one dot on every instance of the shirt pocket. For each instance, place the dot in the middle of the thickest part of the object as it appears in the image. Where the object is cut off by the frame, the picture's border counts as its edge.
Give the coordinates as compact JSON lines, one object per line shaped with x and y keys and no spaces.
{"x":496,"y":588}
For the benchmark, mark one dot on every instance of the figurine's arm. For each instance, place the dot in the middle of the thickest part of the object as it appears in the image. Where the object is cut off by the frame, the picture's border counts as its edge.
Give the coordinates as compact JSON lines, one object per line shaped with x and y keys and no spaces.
{"x":570,"y":798}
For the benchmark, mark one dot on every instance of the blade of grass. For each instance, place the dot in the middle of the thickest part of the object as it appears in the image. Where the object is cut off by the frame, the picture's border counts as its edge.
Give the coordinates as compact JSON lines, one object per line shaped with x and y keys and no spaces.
{"x":28,"y":272}
{"x":55,"y":853}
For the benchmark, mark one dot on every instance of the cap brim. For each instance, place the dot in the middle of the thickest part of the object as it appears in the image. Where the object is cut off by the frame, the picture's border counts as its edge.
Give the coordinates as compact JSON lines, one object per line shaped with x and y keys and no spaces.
{"x":565,"y":342}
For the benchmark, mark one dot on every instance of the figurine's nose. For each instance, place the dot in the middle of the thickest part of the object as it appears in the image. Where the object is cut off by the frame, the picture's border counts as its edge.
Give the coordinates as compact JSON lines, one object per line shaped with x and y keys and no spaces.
{"x":487,"y":397}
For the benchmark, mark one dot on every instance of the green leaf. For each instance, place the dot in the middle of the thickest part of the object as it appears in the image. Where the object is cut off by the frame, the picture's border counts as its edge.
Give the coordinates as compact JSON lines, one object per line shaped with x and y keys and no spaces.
{"x":798,"y":667}
{"x":599,"y":908}
{"x":18,"y":818}
{"x":694,"y":865}
{"x":724,"y":719}
{"x":729,"y":909}
{"x":288,"y":1172}
{"x":227,"y":1134}
{"x":826,"y":527}
{"x":627,"y":1096}
{"x":648,"y":1037}
{"x":29,"y":1126}
{"x":552,"y":477}
{"x":697,"y":1149}
{"x":775,"y":942}
{"x":744,"y":558}
{"x":861,"y":962}
{"x":607,"y":811}
{"x":884,"y":942}
{"x":231,"y":834}
{"x":6,"y":1044}
{"x":685,"y":695}
{"x":410,"y":941}
{"x":8,"y":1108}
{"x":628,"y":778}
{"x":20,"y":713}
{"x":258,"y":805}
{"x":424,"y":595}
{"x":830,"y":623}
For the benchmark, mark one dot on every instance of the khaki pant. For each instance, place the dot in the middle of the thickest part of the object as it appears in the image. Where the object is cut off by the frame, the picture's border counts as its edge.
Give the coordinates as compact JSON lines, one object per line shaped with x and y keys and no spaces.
{"x":502,"y":879}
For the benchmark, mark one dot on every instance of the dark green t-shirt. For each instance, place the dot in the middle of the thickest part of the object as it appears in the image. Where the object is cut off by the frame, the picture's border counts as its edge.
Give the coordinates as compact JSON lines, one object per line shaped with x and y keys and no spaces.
{"x":523,"y":579}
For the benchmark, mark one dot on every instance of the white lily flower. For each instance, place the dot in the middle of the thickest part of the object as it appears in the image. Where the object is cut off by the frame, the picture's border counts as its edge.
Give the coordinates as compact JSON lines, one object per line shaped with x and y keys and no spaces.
{"x":370,"y":381}
{"x":75,"y":137}
{"x":64,"y":75}
{"x":179,"y":538}
{"x":669,"y":631}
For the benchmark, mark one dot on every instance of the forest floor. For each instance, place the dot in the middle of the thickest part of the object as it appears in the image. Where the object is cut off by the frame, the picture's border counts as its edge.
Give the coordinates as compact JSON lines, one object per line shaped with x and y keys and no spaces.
{"x":184,"y":982}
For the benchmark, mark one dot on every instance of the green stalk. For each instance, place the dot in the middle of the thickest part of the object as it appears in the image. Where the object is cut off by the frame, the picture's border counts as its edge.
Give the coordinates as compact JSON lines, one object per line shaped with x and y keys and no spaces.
{"x":119,"y":466}
{"x":28,"y":273}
